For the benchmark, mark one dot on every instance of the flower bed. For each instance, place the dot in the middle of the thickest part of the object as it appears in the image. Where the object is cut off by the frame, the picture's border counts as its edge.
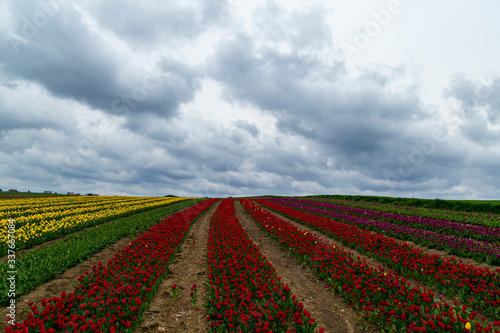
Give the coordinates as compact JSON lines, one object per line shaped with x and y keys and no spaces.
{"x":480,"y":251}
{"x":384,"y":297}
{"x":440,"y":214}
{"x":479,"y":232}
{"x":245,"y":294}
{"x":33,"y":228}
{"x":44,"y":264}
{"x":112,"y":297}
{"x":477,"y":287}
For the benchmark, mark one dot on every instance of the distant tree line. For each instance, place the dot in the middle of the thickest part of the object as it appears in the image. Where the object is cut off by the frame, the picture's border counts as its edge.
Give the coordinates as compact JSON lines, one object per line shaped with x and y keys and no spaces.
{"x":457,"y":205}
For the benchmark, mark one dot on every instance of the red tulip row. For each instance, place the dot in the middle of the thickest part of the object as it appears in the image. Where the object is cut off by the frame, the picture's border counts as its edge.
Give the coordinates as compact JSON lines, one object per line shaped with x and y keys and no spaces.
{"x":459,"y":229}
{"x":462,"y":245}
{"x":477,"y":287}
{"x":385,"y":297}
{"x":112,"y":297}
{"x":245,"y":293}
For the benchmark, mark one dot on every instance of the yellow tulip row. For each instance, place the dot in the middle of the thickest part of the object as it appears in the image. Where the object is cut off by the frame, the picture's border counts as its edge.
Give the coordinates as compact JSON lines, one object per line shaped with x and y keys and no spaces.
{"x":56,"y":212}
{"x":22,"y":204}
{"x":38,"y":228}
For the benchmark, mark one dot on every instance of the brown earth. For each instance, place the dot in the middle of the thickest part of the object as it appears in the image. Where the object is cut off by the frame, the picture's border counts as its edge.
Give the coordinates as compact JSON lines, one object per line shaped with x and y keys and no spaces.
{"x":372,"y":262}
{"x":168,"y":315}
{"x":376,"y":263}
{"x":330,"y":311}
{"x":64,"y":281}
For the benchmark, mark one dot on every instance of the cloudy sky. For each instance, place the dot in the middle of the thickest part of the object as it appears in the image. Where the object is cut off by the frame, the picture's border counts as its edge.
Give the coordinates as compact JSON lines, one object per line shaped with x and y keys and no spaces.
{"x":224,"y":97}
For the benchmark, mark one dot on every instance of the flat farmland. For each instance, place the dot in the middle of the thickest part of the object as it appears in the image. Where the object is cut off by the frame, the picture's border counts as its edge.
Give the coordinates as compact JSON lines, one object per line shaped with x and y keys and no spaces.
{"x":280,"y":264}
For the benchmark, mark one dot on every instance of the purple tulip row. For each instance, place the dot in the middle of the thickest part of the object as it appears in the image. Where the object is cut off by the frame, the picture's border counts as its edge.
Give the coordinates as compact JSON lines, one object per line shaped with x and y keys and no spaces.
{"x":439,"y":214}
{"x":479,"y":232}
{"x":478,"y":250}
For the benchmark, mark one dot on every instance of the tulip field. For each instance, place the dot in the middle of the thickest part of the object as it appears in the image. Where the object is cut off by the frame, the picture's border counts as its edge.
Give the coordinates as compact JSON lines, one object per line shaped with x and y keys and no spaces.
{"x":246,"y":293}
{"x":40,"y":220}
{"x":400,"y":268}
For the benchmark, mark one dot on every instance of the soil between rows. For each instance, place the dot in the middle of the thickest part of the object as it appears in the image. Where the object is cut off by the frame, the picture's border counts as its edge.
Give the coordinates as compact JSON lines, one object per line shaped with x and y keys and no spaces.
{"x":374,"y":263}
{"x":371,"y":261}
{"x":330,"y":311}
{"x":168,"y":315}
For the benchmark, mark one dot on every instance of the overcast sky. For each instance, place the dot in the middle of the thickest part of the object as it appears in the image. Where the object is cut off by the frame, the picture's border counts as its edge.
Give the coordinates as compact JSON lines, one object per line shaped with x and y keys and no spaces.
{"x":233,"y":97}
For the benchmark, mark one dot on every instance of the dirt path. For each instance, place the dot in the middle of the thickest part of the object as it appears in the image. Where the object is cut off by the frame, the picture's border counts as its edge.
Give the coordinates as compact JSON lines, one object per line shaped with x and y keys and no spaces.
{"x":168,"y":315}
{"x":330,"y":311}
{"x":356,"y":254}
{"x":373,"y":262}
{"x":63,"y":282}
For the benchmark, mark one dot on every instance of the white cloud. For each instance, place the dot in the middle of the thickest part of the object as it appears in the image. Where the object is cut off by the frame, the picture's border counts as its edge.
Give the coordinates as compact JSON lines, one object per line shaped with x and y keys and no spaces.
{"x":243,"y":98}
